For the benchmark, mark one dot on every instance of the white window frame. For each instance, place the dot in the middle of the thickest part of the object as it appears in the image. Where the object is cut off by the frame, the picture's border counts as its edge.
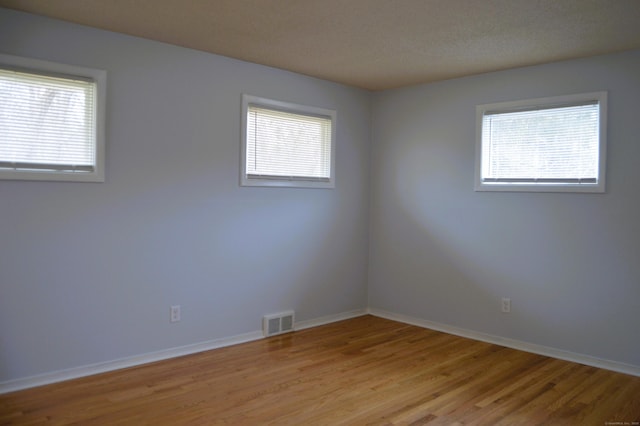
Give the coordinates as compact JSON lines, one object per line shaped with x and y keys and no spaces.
{"x":99,"y":77}
{"x":542,"y":186}
{"x":255,"y":180}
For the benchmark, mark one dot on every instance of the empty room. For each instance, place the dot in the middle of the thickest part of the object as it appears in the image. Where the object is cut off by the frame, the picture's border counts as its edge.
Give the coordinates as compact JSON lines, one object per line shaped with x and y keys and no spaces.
{"x":339,"y":212}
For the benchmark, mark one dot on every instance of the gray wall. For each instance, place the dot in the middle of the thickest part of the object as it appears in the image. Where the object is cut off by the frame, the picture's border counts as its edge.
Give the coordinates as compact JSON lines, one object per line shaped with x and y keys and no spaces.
{"x":88,"y":271}
{"x":444,"y":253}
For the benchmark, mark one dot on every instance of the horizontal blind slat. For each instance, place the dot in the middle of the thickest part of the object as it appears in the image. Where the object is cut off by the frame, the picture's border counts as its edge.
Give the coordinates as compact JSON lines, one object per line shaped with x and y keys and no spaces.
{"x":543,"y":143}
{"x":46,"y":122}
{"x":287,"y":145}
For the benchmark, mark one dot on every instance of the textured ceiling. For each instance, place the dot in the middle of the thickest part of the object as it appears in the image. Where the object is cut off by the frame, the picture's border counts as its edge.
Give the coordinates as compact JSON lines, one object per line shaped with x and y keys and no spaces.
{"x":372,"y":44}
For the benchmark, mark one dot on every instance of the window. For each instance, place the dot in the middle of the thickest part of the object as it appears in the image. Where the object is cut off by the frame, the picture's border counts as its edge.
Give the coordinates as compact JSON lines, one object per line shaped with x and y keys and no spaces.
{"x":285,"y":144}
{"x":548,"y":145}
{"x":51,"y":121}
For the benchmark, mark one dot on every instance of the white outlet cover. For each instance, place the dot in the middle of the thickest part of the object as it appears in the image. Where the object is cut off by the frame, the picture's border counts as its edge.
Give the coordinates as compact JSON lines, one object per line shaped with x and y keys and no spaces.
{"x":175,"y":313}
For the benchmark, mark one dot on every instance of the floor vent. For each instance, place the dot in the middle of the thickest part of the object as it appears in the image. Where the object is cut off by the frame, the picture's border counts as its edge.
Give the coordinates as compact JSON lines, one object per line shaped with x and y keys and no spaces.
{"x":278,"y":323}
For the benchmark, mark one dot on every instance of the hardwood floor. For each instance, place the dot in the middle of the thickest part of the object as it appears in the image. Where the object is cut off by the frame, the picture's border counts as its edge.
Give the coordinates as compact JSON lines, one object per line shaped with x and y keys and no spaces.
{"x":361,"y":371}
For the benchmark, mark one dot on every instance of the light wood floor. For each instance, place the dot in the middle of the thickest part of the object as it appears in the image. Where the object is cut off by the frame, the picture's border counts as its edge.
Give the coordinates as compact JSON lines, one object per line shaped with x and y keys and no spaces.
{"x":361,"y":371}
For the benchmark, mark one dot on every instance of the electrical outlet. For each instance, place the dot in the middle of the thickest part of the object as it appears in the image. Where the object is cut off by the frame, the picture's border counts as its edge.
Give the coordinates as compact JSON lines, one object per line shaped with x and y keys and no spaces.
{"x":506,"y":305}
{"x":175,"y":313}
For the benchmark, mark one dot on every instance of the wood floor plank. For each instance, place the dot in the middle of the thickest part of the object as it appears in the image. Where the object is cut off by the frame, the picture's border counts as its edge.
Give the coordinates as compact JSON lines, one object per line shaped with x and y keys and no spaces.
{"x":362,"y":371}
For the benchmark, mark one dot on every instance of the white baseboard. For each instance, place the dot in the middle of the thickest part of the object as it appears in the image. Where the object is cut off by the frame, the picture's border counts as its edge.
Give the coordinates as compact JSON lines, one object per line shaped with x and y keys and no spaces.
{"x":619,"y":367}
{"x":88,"y":370}
{"x":103,"y":367}
{"x":330,"y":318}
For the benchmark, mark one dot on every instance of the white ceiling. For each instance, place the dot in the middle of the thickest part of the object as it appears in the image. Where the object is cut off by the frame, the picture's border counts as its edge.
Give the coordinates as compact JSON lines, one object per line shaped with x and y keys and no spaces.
{"x":372,"y":44}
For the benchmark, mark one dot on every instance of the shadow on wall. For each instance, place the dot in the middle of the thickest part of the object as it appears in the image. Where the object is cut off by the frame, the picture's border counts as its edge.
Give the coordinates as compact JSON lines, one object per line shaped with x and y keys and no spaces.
{"x":457,"y":252}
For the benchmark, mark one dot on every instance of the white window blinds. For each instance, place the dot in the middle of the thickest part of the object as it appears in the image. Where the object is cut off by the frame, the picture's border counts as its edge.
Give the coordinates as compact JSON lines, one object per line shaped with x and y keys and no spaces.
{"x":46,"y":122}
{"x":544,"y":144}
{"x":287,"y":145}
